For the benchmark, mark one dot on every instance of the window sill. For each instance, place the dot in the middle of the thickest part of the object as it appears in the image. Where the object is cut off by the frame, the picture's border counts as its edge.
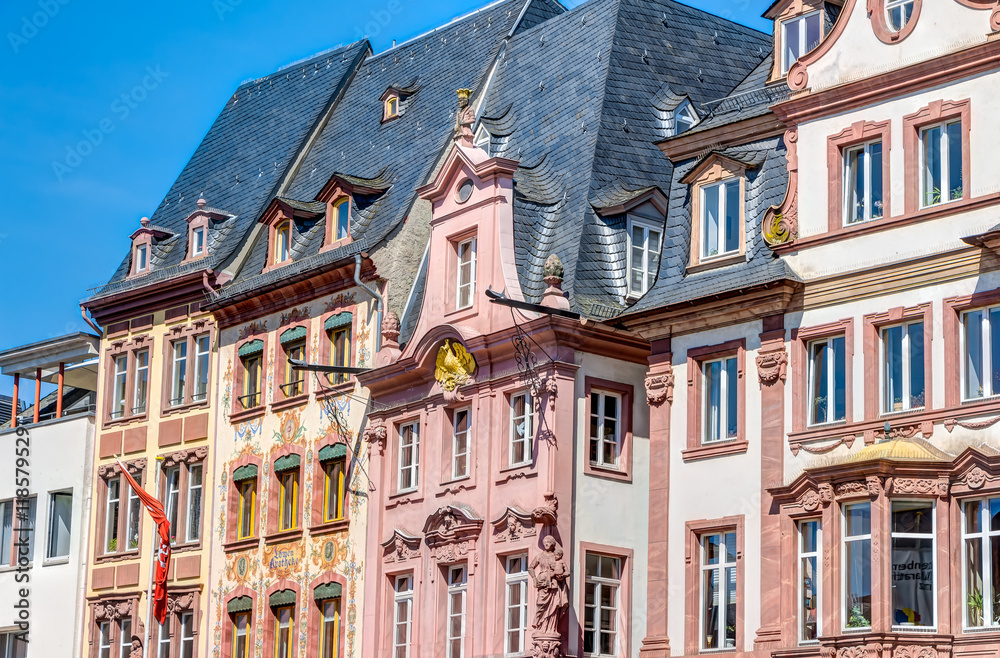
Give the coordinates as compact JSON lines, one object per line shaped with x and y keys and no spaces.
{"x":335,"y":390}
{"x":247,"y":414}
{"x":185,"y":548}
{"x":55,"y":562}
{"x":335,"y":244}
{"x":404,"y":498}
{"x":287,"y":403}
{"x":719,"y":449}
{"x":607,"y":472}
{"x":116,"y":557}
{"x":526,"y":470}
{"x":979,"y":630}
{"x":284,"y":535}
{"x":713,"y":262}
{"x":459,"y":314}
{"x":328,"y":527}
{"x":240,"y":544}
{"x":181,"y":408}
{"x":457,"y":485}
{"x":274,"y":266}
{"x":116,"y":422}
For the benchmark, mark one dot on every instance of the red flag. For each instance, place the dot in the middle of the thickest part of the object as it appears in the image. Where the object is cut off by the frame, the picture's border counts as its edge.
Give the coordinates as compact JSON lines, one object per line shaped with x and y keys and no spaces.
{"x":155,"y":509}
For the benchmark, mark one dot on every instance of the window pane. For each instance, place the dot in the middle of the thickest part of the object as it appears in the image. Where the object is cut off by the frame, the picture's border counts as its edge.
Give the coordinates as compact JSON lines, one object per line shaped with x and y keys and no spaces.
{"x":854,"y":179}
{"x":732,"y":413}
{"x":653,"y":266}
{"x":955,"y":161}
{"x":932,"y":165}
{"x":858,"y":583}
{"x":791,"y":44}
{"x":60,"y":520}
{"x":812,"y":31}
{"x":913,"y":563}
{"x":892,"y":369}
{"x":916,"y":338}
{"x":732,"y":216}
{"x":6,"y":531}
{"x":839,"y":360}
{"x":819,"y":379}
{"x":194,"y":503}
{"x":711,"y":221}
{"x":638,"y":254}
{"x":859,"y":519}
{"x":713,"y":400}
{"x":974,"y":383}
{"x":974,"y":582}
{"x":711,"y":612}
{"x":875,"y":172}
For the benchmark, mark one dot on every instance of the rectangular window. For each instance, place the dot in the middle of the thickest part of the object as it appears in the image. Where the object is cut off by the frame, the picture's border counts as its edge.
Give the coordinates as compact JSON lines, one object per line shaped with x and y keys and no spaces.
{"x":516,"y":617}
{"x":141,"y":382}
{"x":201,"y":357}
{"x":124,"y":638}
{"x":644,"y":257}
{"x":466,"y":273}
{"x":172,"y":481}
{"x":457,"y":586}
{"x":409,"y":456}
{"x":858,"y":565}
{"x":241,"y":635}
{"x":294,"y":379}
{"x":827,"y":380}
{"x":333,"y":506}
{"x":720,"y":395}
{"x":402,"y":616}
{"x":913,"y":560}
{"x":460,"y":443}
{"x":246,"y":512}
{"x":800,"y":35}
{"x":903,"y":367}
{"x":281,"y":235}
{"x":863,"y":183}
{"x":194,"y":503}
{"x":289,"y":517}
{"x":521,"y":428}
{"x":251,"y":382}
{"x":104,"y":639}
{"x":163,"y":641}
{"x":600,"y":609}
{"x":179,"y":369}
{"x":605,"y":428}
{"x":981,"y":539}
{"x":134,"y":517}
{"x":118,"y":395}
{"x":941,"y":163}
{"x":6,"y":531}
{"x":60,"y":523}
{"x":283,"y":632}
{"x":340,"y":354}
{"x":198,"y":241}
{"x":340,"y":211}
{"x":981,"y":344}
{"x":329,"y":637}
{"x":141,"y":258}
{"x":809,"y":580}
{"x":187,"y":635}
{"x":718,"y":591}
{"x":111,"y":516}
{"x":720,"y":218}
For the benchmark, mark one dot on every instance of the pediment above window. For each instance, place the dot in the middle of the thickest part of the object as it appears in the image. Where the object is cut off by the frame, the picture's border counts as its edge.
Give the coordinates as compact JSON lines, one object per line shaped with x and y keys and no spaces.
{"x":451,"y":524}
{"x":347,"y":184}
{"x":713,"y":167}
{"x":400,"y":546}
{"x":621,"y":201}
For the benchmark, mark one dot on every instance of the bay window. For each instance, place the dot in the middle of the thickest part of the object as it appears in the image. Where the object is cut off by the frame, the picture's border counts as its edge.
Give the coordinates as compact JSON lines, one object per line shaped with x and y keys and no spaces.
{"x":466,"y":284}
{"x":402,"y":616}
{"x":863,"y":183}
{"x":718,"y":591}
{"x":809,"y":580}
{"x":941,"y":163}
{"x":521,"y":428}
{"x":605,"y":428}
{"x":645,"y":242}
{"x":720,"y":400}
{"x":827,"y":380}
{"x":720,"y":220}
{"x":409,"y":456}
{"x":799,"y":36}
{"x":981,"y":358}
{"x":602,"y":583}
{"x":913,"y":564}
{"x":857,"y":565}
{"x":902,"y":367}
{"x":461,"y":432}
{"x":981,"y":547}
{"x":457,"y":587}
{"x":516,"y":617}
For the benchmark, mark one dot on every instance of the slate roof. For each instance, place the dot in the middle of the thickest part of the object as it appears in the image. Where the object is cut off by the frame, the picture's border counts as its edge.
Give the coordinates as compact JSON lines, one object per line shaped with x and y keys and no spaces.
{"x":399,"y":154}
{"x":753,"y":97}
{"x":241,"y":161}
{"x":579,"y":101}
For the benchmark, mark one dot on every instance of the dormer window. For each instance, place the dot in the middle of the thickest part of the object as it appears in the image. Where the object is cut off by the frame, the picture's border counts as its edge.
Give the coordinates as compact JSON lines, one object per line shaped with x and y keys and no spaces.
{"x":720,"y":220}
{"x":644,"y":255}
{"x":800,"y":35}
{"x":198,"y":241}
{"x":898,"y":13}
{"x":282,"y":234}
{"x":391,"y":110}
{"x":482,"y":139}
{"x":685,"y":117}
{"x":340,"y":218}
{"x":141,"y":258}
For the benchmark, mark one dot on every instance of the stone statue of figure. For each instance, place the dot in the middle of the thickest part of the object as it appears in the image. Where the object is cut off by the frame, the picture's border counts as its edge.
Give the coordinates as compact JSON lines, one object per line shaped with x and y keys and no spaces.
{"x":549,"y":572}
{"x":464,"y":118}
{"x":136,"y":651}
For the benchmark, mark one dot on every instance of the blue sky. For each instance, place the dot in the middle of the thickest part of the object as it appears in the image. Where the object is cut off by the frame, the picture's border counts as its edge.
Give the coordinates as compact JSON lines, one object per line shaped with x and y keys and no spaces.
{"x":79,"y":166}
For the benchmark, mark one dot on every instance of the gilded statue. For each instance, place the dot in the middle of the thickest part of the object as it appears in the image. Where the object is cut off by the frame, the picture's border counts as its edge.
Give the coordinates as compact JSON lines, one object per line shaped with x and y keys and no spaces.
{"x":454,"y":365}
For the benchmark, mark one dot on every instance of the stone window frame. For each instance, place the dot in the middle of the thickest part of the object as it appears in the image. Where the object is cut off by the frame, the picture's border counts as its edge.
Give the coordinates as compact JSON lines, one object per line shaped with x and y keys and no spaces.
{"x":857,"y":134}
{"x":452,"y":311}
{"x":130,"y":349}
{"x":801,"y":338}
{"x":272,"y":534}
{"x":713,"y":170}
{"x":113,"y":608}
{"x":953,"y":308}
{"x":280,"y":401}
{"x":696,"y":358}
{"x":317,"y":525}
{"x":184,"y":460}
{"x":199,"y":220}
{"x":880,"y":22}
{"x":626,"y":394}
{"x":447,"y":454}
{"x":872,"y":324}
{"x":180,"y":601}
{"x":238,"y":413}
{"x":420,"y":420}
{"x":694,"y":531}
{"x":190,"y":333}
{"x":232,"y":540}
{"x":793,"y":9}
{"x":106,"y":473}
{"x":389,"y":611}
{"x":938,"y":111}
{"x":623,"y":644}
{"x":506,"y":468}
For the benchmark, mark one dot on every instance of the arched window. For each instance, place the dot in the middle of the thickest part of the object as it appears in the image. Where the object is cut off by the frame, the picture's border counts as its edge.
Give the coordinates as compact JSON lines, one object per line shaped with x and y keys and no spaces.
{"x":391,"y":107}
{"x":281,"y":241}
{"x":341,"y":212}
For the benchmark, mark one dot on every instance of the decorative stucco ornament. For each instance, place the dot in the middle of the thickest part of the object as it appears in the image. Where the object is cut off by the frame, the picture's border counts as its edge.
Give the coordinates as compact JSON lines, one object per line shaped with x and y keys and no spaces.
{"x":390,"y":326}
{"x":550,"y":575}
{"x":778,"y":230}
{"x":454,"y":365}
{"x":553,"y":268}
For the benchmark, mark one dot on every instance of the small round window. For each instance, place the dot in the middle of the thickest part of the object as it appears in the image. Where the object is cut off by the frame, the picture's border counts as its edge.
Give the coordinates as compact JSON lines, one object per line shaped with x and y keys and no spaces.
{"x":464,"y":190}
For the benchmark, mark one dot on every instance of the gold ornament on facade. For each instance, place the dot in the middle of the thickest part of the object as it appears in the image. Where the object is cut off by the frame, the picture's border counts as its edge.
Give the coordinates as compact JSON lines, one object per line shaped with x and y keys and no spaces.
{"x":777,"y":230}
{"x":454,"y":365}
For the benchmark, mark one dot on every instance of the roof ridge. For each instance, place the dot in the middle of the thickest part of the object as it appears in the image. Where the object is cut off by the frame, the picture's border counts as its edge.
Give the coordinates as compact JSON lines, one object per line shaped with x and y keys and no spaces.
{"x":323,"y":53}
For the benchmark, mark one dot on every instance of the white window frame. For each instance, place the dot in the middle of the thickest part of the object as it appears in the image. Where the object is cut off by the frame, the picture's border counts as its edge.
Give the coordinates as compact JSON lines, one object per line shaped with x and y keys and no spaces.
{"x":866,"y":159}
{"x":457,"y":592}
{"x":471,"y":261}
{"x":198,"y":241}
{"x":934,"y":557}
{"x":886,"y":405}
{"x":721,"y":233}
{"x":202,"y":357}
{"x":686,"y":111}
{"x":120,"y":393}
{"x":51,"y":539}
{"x":141,"y":258}
{"x":345,"y":203}
{"x":893,"y":4}
{"x":413,"y":467}
{"x":178,"y":372}
{"x":141,"y":375}
{"x":527,"y":440}
{"x":845,"y":540}
{"x":514,"y":579}
{"x":402,"y":614}
{"x":187,"y":641}
{"x":945,"y":147}
{"x":192,"y":489}
{"x":112,"y":526}
{"x":599,"y":583}
{"x":483,"y":139}
{"x":172,"y":498}
{"x":7,"y":521}
{"x":723,"y":590}
{"x":831,"y":375}
{"x":987,"y":356}
{"x":104,"y":650}
{"x":803,"y":44}
{"x":647,"y":274}
{"x":163,"y":640}
{"x":601,"y":418}
{"x":133,"y":505}
{"x":804,"y":555}
{"x":706,"y":401}
{"x":455,"y":435}
{"x":984,"y":535}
